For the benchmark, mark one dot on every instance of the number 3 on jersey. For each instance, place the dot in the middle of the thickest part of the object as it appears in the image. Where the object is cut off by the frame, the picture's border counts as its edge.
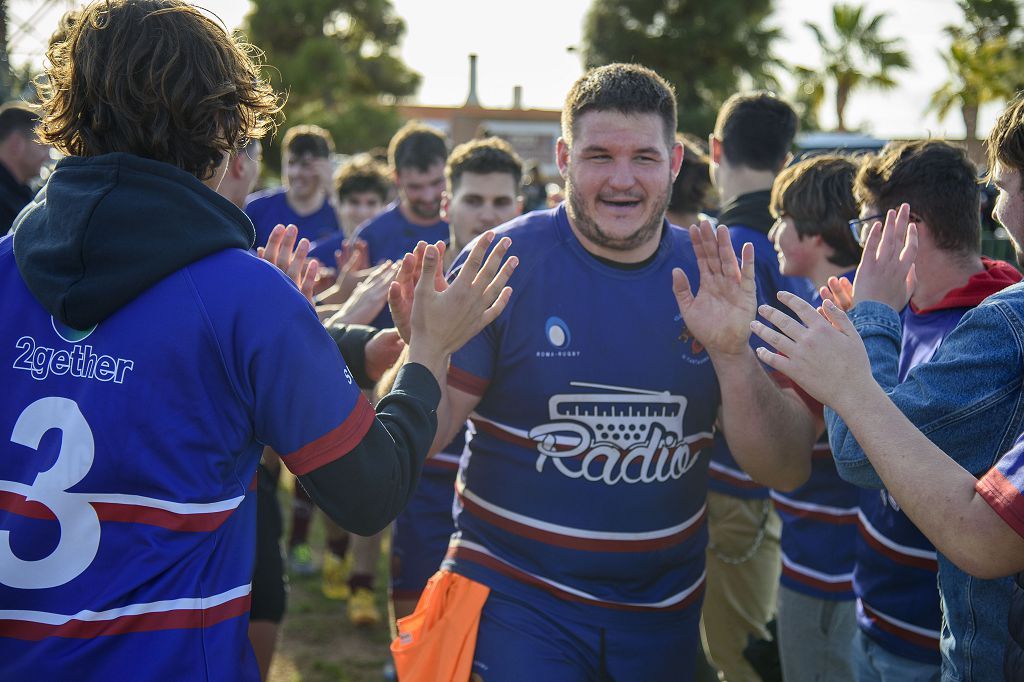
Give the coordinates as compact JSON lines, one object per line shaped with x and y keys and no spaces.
{"x":79,"y":525}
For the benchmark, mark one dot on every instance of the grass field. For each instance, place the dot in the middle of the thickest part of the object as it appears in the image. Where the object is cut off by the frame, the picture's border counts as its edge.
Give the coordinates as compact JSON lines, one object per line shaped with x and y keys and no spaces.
{"x":317,"y":643}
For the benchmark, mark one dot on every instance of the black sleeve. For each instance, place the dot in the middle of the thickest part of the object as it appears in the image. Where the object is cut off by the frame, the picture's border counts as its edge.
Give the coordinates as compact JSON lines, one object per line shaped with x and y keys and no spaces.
{"x":351,"y":340}
{"x":364,"y":490}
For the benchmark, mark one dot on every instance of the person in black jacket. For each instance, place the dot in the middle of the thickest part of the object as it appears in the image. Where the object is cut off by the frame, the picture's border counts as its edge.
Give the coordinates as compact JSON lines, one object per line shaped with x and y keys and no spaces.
{"x":21,"y":157}
{"x":130,"y":243}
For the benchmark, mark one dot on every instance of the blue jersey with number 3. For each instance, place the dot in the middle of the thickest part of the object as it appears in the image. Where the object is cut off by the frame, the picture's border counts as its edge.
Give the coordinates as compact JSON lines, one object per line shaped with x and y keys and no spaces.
{"x":127,"y":467}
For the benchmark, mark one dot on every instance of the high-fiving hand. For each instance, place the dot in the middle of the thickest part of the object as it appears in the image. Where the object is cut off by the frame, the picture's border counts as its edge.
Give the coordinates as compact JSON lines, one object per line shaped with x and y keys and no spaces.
{"x":291,"y":259}
{"x":719,"y":315}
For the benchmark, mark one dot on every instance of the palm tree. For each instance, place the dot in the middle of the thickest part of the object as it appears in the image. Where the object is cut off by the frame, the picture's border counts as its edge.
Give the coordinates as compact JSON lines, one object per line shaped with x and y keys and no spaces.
{"x":859,"y":56}
{"x":979,"y":73}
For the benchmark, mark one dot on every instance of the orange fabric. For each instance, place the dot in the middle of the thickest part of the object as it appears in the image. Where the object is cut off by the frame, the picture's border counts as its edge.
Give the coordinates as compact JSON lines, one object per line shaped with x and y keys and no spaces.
{"x":436,"y":643}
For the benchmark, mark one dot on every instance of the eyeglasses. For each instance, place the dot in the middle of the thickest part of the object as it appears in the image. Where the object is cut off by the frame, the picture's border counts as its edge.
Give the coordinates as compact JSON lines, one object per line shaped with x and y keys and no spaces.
{"x":861,"y":227}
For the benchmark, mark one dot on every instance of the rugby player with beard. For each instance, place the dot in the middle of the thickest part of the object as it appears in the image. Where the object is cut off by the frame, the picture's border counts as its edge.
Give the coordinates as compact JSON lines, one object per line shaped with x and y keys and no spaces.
{"x":592,"y":402}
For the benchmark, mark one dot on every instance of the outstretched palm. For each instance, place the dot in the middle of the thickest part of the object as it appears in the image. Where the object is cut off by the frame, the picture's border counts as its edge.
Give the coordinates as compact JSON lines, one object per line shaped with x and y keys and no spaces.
{"x":719,"y":316}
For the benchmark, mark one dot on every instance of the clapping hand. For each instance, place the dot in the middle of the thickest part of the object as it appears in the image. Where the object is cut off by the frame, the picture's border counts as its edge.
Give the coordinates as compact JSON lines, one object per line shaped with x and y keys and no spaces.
{"x":719,"y":315}
{"x":821,"y":350}
{"x":368,"y":298}
{"x":886,"y":272}
{"x":400,"y":295}
{"x":443,"y":317}
{"x":294,"y":263}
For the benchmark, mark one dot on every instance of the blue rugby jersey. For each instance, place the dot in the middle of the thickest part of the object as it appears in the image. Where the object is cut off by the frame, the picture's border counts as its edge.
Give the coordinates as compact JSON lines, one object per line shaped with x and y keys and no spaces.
{"x":390,"y":236}
{"x":819,"y":525}
{"x":270,"y":207}
{"x":726,"y":475}
{"x":895,"y":577}
{"x":128,"y":463}
{"x":582,"y":486}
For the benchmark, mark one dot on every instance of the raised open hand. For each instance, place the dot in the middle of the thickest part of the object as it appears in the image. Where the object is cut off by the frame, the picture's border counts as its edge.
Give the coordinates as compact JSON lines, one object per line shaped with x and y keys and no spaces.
{"x":824,"y":355}
{"x":444,"y":317}
{"x":839,"y":290}
{"x":294,"y":263}
{"x":719,"y":315}
{"x":400,"y":297}
{"x":352,"y":260}
{"x":886,"y":271}
{"x":368,"y":298}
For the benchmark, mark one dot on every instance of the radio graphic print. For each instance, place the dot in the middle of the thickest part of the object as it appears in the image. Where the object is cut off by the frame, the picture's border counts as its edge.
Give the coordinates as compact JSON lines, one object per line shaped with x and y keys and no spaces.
{"x":581,"y":488}
{"x":632,"y":436}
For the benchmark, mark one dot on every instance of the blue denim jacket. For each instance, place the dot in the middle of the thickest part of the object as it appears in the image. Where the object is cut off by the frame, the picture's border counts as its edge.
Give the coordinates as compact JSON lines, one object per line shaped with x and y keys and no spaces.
{"x":968,"y":401}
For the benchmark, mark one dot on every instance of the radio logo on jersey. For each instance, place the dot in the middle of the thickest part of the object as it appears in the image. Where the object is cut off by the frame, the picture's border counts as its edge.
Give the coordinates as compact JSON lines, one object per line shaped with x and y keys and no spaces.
{"x":623,"y":434}
{"x":557,"y":333}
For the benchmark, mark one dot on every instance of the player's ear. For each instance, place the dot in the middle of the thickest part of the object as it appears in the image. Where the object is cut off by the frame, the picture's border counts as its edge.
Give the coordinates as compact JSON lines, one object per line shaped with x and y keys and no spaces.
{"x":562,"y":156}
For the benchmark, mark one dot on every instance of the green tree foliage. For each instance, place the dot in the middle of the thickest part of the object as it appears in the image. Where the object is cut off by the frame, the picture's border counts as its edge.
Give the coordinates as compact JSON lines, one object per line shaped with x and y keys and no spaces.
{"x":857,"y":55}
{"x":985,"y":62}
{"x":707,"y":50}
{"x":337,"y":61}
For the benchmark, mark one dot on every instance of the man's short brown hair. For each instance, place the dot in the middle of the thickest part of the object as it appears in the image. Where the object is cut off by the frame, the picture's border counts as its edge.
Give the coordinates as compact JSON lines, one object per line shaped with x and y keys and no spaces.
{"x":17,"y":117}
{"x":154,"y":78}
{"x":817,"y":193}
{"x":1006,"y":141}
{"x":417,"y":146}
{"x":483,"y":156}
{"x":361,"y":174}
{"x":628,"y":89}
{"x":939,"y":182}
{"x":308,"y":139}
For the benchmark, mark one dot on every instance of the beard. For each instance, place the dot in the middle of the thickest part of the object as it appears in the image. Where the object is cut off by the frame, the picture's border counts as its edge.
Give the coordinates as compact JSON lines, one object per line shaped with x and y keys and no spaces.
{"x":426,"y":210}
{"x":589,"y":228}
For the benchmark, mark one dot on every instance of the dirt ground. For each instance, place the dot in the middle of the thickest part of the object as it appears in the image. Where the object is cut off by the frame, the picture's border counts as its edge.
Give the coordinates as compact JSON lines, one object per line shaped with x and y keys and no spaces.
{"x":317,"y":643}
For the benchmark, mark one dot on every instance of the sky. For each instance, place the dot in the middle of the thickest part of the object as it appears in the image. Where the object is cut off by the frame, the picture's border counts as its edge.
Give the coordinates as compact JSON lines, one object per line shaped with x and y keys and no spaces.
{"x":527,"y":43}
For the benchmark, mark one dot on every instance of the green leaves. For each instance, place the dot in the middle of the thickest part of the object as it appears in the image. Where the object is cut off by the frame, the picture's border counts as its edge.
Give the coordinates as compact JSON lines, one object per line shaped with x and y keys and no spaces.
{"x":705,"y":49}
{"x":338,"y":61}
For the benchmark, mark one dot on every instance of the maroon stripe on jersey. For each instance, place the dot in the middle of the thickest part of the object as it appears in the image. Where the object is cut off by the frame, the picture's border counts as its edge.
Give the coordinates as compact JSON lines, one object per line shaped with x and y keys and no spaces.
{"x":335,"y":443}
{"x":825,"y":517}
{"x":464,"y":554}
{"x":733,"y":480}
{"x":1002,"y":495}
{"x":900,"y":558}
{"x":822,"y":585}
{"x":17,"y":504}
{"x":123,"y":513}
{"x":573,"y":542}
{"x":915,"y":638}
{"x":501,"y":434}
{"x":144,"y":622}
{"x":463,"y":381}
{"x":130,"y":513}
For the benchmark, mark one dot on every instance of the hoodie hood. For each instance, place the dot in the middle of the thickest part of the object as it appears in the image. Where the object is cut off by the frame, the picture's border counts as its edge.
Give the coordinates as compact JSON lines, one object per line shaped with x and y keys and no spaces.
{"x":106,"y":228}
{"x":996,"y":276}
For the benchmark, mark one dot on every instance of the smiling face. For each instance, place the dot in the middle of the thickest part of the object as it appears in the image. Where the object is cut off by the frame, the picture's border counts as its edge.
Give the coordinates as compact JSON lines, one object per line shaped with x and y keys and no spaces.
{"x":618,"y":178}
{"x":797,"y":255}
{"x":420,"y":191}
{"x":304,"y":174}
{"x":479,"y":202}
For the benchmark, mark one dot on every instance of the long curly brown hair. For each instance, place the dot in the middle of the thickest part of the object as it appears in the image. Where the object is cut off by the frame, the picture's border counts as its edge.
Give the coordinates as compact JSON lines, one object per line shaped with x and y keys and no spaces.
{"x":154,"y":78}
